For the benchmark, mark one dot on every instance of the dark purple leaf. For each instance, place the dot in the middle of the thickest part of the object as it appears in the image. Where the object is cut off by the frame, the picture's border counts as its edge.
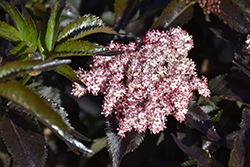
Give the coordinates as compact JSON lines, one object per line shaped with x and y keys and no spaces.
{"x":175,"y":14}
{"x":118,"y":146}
{"x":5,"y":157}
{"x":51,"y":114}
{"x":23,"y":139}
{"x":234,"y":16}
{"x":240,"y":154}
{"x":227,"y":87}
{"x":198,"y":119}
{"x":202,"y":157}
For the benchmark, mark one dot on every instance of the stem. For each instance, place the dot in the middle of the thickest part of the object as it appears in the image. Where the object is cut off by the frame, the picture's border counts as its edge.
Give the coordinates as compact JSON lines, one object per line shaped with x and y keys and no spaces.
{"x":25,"y":79}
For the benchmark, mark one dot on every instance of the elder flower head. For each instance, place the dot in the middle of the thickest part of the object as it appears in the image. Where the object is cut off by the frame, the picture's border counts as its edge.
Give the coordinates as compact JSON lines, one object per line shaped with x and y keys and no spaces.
{"x":151,"y":80}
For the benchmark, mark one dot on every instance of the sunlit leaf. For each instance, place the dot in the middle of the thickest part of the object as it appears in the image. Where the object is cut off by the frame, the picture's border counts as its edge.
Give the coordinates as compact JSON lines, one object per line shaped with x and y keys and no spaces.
{"x":17,"y":20}
{"x":53,"y":24}
{"x":10,"y":33}
{"x":118,"y":146}
{"x":23,"y":138}
{"x":240,"y":153}
{"x":18,"y":68}
{"x":175,"y":14}
{"x":68,"y":72}
{"x":83,"y":26}
{"x":44,"y":113}
{"x":81,"y":48}
{"x":234,"y":16}
{"x":202,"y":157}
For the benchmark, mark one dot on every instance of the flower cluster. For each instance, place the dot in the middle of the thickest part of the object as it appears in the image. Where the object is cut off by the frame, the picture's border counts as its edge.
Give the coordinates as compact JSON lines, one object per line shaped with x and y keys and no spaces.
{"x":151,"y":80}
{"x":208,"y":6}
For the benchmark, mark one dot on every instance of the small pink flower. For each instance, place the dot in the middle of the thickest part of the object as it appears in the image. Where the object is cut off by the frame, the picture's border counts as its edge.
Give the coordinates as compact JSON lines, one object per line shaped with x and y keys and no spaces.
{"x":151,"y":80}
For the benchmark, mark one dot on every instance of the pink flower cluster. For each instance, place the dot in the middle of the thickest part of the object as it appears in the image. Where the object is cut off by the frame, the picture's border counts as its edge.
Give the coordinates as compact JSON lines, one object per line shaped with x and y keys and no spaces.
{"x":151,"y":80}
{"x":208,"y":6}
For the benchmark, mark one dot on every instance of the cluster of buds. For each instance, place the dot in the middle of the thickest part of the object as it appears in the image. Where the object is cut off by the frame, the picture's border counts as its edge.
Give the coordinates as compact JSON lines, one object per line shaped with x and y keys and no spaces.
{"x":208,"y":6}
{"x":152,"y":79}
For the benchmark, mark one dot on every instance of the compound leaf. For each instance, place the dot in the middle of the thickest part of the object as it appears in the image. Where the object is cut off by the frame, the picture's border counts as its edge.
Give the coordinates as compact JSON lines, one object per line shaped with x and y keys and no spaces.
{"x":17,"y":19}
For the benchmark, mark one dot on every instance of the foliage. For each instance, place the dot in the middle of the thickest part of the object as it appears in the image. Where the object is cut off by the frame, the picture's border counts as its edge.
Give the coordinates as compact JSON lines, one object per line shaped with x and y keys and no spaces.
{"x":35,"y":81}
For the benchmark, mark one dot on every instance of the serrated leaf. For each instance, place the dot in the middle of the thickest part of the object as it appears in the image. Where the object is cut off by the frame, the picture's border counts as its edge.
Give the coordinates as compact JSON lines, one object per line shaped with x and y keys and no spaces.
{"x":53,"y":24}
{"x":20,"y":48}
{"x":10,"y":33}
{"x":227,"y":87}
{"x":18,"y":68}
{"x":43,"y":112}
{"x":78,"y":46}
{"x":118,"y":146}
{"x":175,"y":14}
{"x":240,"y":153}
{"x":203,"y":158}
{"x":32,"y":28}
{"x":5,"y":157}
{"x":81,"y":48}
{"x":68,"y":72}
{"x":23,"y":139}
{"x":198,"y":119}
{"x":17,"y":20}
{"x":83,"y":26}
{"x":234,"y":16}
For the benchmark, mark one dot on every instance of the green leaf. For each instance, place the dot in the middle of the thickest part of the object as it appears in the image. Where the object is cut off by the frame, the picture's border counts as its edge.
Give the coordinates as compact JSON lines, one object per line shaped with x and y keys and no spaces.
{"x":53,"y":24}
{"x":118,"y":146}
{"x":32,"y":28}
{"x":18,"y":68}
{"x":175,"y":14}
{"x":68,"y":72}
{"x":17,"y":20}
{"x":10,"y":33}
{"x":23,"y":138}
{"x":23,"y":48}
{"x":81,"y":48}
{"x":83,"y":26}
{"x":43,"y":112}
